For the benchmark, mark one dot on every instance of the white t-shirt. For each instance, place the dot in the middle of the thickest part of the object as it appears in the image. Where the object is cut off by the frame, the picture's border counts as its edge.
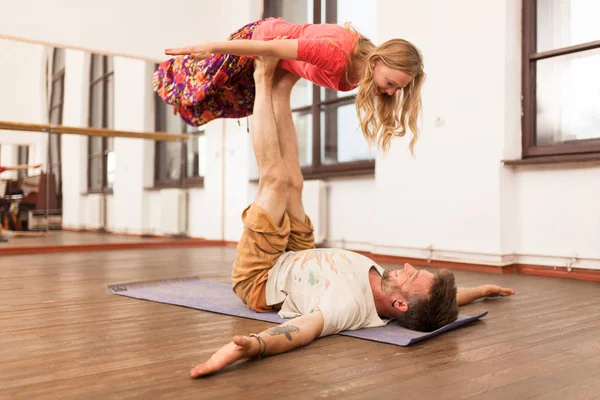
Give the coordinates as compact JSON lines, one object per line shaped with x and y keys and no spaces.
{"x":335,"y":281}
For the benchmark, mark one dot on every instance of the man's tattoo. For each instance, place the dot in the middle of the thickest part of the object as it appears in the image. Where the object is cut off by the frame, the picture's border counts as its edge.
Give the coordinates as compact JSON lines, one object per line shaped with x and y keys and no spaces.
{"x":283,"y":330}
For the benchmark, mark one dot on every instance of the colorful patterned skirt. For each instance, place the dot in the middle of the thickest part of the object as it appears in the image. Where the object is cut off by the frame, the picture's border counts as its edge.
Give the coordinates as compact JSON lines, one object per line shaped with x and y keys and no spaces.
{"x":220,"y":86}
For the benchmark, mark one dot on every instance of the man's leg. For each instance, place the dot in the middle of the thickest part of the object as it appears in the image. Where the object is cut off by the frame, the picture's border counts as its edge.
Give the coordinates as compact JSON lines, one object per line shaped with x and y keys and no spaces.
{"x":273,"y":178}
{"x":288,"y":141}
{"x":266,"y":224}
{"x":301,"y":235}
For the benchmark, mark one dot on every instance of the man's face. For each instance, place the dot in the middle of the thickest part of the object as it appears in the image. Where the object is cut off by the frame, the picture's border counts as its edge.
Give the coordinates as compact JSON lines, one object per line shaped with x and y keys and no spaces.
{"x":407,"y":281}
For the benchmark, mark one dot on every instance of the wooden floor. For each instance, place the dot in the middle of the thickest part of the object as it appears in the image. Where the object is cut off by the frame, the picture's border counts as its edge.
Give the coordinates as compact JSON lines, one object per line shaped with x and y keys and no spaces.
{"x":64,"y":241}
{"x":65,"y":238}
{"x":64,"y":336}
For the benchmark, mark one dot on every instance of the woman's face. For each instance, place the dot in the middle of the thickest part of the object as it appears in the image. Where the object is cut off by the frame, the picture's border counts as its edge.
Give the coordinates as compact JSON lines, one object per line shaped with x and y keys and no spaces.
{"x":387,"y":80}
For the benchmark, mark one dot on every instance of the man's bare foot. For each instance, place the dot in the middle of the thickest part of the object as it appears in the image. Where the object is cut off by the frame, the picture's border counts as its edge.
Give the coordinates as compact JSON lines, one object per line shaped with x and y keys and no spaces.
{"x":285,"y":81}
{"x":266,"y":66}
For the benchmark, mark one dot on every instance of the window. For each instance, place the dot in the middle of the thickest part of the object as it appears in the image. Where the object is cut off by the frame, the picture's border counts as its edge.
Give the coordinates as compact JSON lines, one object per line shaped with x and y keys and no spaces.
{"x":22,"y":159}
{"x":101,"y":155}
{"x":330,"y":139}
{"x":561,"y":84}
{"x":178,"y":164}
{"x":55,"y":116}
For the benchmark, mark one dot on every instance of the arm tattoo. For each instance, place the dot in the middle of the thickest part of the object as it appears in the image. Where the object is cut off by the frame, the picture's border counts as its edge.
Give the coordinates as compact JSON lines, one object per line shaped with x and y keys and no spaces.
{"x":284,"y":330}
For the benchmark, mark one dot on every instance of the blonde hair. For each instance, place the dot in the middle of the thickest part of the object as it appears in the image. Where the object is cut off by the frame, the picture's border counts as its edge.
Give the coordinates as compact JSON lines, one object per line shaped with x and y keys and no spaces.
{"x":383,"y":117}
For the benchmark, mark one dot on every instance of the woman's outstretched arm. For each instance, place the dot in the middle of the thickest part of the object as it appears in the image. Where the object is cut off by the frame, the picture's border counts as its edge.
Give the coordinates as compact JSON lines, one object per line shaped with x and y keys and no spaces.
{"x":285,"y":49}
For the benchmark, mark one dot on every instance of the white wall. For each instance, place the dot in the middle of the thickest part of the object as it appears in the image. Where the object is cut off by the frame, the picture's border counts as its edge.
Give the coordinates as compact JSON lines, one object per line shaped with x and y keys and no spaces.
{"x":457,"y":196}
{"x":23,"y":82}
{"x":206,"y":212}
{"x":352,"y":210}
{"x":558,"y":213}
{"x":557,"y":218}
{"x":448,"y":197}
{"x":237,"y":141}
{"x":134,"y":28}
{"x":132,"y":87}
{"x":74,"y":148}
{"x":456,"y":201}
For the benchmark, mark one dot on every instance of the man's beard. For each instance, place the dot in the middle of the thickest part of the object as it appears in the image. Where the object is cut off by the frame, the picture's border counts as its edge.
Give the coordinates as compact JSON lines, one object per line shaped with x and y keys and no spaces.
{"x":387,"y":284}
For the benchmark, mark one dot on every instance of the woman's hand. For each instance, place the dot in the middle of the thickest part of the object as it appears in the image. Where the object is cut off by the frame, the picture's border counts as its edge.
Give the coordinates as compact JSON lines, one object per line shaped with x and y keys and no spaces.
{"x":199,"y":51}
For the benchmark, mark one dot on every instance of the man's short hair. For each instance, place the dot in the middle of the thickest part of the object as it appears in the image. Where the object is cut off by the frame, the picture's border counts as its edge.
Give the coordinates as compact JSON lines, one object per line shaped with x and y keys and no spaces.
{"x":438,"y":308}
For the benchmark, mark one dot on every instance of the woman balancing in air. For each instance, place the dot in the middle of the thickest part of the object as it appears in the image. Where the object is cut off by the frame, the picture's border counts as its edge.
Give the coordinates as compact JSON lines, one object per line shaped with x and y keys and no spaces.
{"x":215,"y":80}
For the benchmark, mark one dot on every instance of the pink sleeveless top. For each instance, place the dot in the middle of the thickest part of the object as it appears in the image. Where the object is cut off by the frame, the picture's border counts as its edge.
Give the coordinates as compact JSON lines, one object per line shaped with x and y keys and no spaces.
{"x":319,"y":60}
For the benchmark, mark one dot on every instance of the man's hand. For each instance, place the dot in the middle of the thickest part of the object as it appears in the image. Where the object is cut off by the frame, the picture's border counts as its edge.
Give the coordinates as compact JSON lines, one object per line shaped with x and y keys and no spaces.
{"x":466,"y":295}
{"x":284,"y":83}
{"x":279,"y":339}
{"x":495,"y":291}
{"x":239,"y":348}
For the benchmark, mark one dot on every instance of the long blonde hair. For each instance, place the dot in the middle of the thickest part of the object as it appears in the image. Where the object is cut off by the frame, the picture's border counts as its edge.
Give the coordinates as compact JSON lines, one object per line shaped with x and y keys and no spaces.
{"x":383,"y":117}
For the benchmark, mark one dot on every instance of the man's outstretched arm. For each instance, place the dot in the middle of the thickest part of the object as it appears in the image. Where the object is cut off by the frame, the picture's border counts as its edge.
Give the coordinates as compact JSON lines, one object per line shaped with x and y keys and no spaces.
{"x":466,"y":295}
{"x":279,"y":339}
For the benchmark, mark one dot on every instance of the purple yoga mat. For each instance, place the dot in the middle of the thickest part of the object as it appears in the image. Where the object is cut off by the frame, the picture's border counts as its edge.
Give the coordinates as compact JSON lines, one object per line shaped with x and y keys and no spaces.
{"x":219,"y":298}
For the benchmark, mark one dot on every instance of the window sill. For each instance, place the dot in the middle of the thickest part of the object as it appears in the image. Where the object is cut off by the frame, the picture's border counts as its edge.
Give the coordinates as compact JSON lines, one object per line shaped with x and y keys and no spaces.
{"x":196,"y":183}
{"x":590,"y":158}
{"x":341,"y":170}
{"x":98,"y":191}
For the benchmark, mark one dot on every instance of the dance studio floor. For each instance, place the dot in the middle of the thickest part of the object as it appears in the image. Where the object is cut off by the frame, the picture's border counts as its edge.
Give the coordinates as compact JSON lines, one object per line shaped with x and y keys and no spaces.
{"x":65,"y":241}
{"x":64,"y":336}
